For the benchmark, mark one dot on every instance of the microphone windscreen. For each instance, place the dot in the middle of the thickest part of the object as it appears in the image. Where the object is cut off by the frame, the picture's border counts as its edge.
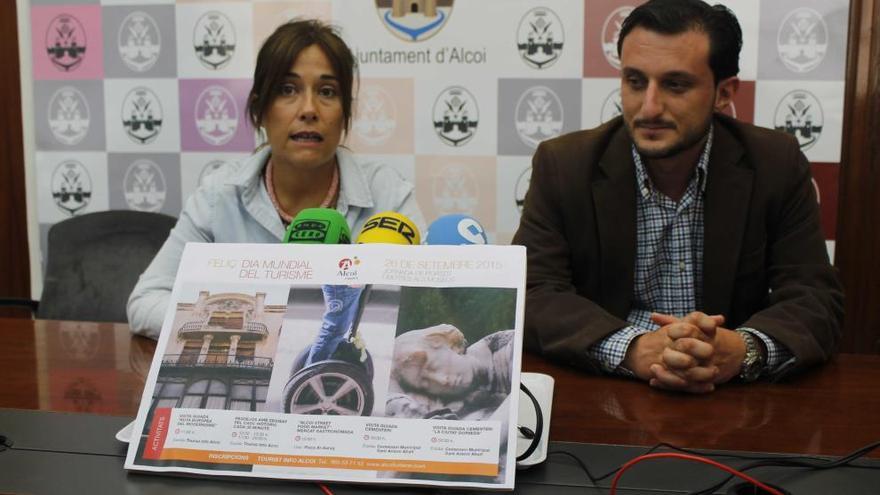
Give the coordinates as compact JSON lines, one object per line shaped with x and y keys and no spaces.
{"x":318,"y":226}
{"x":454,"y":230}
{"x":389,"y":227}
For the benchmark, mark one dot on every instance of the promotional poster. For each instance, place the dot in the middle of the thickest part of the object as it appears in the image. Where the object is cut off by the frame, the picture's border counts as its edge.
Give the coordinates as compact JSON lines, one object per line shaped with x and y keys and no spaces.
{"x":358,"y":363}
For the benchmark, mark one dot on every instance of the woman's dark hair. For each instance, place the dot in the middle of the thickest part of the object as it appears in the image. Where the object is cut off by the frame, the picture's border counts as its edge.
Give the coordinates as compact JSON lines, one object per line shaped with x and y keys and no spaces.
{"x":280,"y":50}
{"x":678,"y":16}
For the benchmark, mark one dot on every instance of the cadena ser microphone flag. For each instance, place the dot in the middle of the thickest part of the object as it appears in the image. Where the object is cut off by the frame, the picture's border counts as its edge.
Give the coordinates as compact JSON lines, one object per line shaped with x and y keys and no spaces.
{"x":318,"y":226}
{"x":389,"y":227}
{"x":454,"y":230}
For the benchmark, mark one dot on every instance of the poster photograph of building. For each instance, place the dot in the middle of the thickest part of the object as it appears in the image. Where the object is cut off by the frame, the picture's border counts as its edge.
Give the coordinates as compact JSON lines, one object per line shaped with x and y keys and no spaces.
{"x":222,"y":351}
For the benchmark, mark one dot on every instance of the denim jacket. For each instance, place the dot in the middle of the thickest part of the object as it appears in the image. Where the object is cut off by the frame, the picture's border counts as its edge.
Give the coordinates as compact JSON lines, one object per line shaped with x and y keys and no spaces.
{"x":234,"y":206}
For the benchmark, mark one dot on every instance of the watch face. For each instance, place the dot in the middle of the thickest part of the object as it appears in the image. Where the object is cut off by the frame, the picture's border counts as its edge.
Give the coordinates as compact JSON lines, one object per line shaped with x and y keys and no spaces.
{"x":752,"y":362}
{"x":751,"y":370}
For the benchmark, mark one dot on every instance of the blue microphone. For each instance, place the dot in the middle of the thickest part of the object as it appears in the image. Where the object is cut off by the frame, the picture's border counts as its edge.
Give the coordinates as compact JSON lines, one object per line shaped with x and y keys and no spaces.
{"x":455,"y":230}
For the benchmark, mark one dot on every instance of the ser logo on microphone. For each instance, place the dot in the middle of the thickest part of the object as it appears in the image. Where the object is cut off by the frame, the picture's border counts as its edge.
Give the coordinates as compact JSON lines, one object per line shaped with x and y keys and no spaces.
{"x":310,"y":231}
{"x":392,"y":224}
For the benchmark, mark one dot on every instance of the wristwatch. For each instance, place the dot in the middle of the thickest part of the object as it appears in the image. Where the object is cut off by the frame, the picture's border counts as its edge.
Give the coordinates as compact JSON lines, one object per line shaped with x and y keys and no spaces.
{"x":755,"y":358}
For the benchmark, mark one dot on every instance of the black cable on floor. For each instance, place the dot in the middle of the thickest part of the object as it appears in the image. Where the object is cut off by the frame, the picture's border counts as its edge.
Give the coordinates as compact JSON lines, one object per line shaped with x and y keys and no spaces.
{"x":793,"y":461}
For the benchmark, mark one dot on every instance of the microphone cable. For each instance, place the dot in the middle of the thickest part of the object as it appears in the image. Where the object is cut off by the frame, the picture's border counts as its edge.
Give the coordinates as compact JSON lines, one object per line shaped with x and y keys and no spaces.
{"x":793,"y":461}
{"x":689,"y":457}
{"x":536,"y":434}
{"x":806,"y":462}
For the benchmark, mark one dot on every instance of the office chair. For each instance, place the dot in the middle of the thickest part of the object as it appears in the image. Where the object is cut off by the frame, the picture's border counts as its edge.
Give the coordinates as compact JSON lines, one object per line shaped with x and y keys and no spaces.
{"x":94,"y":261}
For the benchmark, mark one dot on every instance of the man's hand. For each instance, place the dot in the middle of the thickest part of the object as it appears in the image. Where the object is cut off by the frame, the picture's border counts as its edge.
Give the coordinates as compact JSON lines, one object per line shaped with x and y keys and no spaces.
{"x":686,"y":363}
{"x":645,"y":351}
{"x":684,"y":360}
{"x":675,"y":356}
{"x":690,"y":354}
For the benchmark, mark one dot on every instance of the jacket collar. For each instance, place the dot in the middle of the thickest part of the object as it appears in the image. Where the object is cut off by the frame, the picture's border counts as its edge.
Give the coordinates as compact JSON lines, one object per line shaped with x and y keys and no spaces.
{"x":614,"y":196}
{"x":727,"y":204}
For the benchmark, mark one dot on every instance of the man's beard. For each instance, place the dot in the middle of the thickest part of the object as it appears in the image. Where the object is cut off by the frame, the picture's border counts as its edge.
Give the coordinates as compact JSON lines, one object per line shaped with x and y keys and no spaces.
{"x":686,"y":142}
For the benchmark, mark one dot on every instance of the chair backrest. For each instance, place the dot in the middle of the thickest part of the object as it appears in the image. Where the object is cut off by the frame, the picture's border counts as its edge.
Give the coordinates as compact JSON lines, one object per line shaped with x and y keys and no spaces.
{"x":94,"y":261}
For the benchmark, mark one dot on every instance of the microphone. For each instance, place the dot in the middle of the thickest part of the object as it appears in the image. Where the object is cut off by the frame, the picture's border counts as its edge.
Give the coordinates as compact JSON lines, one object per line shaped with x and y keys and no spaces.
{"x":389,"y":227}
{"x":318,"y":226}
{"x":455,"y":230}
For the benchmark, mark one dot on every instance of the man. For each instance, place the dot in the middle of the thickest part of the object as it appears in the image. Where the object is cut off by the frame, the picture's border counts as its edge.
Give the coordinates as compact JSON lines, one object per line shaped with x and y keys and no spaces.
{"x":673,"y":243}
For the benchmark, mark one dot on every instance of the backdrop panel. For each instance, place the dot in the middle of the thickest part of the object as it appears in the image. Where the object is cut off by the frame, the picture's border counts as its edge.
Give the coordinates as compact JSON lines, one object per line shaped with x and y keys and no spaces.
{"x":137,"y":101}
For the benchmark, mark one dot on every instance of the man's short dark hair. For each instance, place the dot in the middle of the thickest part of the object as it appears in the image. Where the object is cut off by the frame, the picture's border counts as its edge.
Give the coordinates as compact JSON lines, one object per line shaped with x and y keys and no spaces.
{"x":281,"y":49}
{"x":678,"y":16}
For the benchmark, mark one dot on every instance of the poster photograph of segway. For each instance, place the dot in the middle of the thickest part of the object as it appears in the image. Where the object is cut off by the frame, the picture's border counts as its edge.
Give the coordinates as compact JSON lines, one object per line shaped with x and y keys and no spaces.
{"x":335,"y":350}
{"x":395,"y":369}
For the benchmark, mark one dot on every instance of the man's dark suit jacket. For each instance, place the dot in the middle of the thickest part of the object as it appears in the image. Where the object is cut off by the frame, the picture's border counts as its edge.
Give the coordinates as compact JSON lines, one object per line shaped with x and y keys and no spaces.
{"x":765,"y":260}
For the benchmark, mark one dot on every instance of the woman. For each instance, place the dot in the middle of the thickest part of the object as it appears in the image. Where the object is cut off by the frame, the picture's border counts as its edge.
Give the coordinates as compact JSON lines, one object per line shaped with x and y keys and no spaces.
{"x":302,"y":101}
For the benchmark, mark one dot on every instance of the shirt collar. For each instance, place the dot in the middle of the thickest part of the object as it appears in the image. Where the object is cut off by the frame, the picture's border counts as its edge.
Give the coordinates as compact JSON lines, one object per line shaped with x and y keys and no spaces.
{"x":250,"y":172}
{"x":646,"y":187}
{"x":354,"y":188}
{"x":353,"y":184}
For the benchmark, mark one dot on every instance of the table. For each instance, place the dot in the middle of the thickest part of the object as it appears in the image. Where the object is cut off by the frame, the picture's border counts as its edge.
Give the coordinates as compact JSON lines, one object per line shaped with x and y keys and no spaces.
{"x":99,"y":368}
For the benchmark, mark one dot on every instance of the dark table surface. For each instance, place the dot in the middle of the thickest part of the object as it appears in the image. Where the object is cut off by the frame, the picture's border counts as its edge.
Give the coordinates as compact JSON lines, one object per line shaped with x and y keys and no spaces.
{"x":99,"y":368}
